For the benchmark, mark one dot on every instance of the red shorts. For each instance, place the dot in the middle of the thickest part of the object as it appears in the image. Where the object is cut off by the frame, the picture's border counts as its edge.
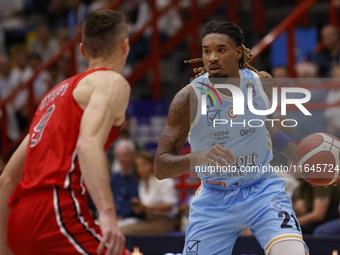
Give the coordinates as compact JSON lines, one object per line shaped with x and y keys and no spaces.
{"x":52,"y":221}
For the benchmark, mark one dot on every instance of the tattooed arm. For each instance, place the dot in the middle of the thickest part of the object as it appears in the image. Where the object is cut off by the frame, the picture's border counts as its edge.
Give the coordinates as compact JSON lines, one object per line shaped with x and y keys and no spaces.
{"x":168,"y":162}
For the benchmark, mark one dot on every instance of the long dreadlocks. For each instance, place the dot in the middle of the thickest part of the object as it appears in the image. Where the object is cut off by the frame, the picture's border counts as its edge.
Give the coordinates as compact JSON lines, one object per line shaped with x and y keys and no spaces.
{"x":233,"y":31}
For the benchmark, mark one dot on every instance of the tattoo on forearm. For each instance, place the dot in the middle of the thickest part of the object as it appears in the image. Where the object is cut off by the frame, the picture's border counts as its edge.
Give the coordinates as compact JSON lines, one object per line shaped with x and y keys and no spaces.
{"x":173,"y":137}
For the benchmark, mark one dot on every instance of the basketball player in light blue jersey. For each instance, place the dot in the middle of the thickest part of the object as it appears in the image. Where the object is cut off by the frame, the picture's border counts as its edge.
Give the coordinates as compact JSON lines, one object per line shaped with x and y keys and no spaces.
{"x":229,"y":201}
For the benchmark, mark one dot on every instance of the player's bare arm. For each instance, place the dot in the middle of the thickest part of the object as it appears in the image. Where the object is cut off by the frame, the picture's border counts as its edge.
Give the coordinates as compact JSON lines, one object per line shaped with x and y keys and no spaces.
{"x":9,"y":179}
{"x":168,"y":162}
{"x":108,"y":95}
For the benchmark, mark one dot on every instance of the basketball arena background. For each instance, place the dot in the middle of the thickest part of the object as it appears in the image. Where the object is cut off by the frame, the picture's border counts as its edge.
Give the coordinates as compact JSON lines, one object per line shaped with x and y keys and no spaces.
{"x":39,"y":48}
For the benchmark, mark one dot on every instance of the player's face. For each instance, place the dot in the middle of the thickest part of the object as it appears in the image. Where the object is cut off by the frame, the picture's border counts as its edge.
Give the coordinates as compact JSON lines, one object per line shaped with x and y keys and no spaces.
{"x":220,"y":55}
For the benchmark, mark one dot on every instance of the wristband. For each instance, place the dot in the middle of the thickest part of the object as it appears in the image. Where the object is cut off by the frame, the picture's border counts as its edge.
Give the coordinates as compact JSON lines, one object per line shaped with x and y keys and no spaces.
{"x":279,"y":141}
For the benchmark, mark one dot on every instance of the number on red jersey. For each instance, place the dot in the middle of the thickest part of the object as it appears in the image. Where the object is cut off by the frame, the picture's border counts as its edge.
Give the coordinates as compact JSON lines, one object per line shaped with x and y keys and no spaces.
{"x":39,"y":128}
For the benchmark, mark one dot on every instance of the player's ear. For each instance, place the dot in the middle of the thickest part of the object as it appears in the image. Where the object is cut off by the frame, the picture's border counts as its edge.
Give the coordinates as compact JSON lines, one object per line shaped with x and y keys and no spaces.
{"x":239,"y":52}
{"x":125,"y":46}
{"x":82,"y":50}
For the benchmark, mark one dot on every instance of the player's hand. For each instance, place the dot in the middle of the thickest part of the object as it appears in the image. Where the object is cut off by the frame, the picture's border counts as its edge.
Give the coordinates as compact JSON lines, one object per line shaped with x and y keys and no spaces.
{"x":215,"y":155}
{"x":112,"y":235}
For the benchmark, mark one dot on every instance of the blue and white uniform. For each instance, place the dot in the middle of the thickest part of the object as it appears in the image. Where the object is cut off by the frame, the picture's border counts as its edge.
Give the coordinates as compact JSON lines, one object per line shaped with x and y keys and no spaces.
{"x":245,"y":195}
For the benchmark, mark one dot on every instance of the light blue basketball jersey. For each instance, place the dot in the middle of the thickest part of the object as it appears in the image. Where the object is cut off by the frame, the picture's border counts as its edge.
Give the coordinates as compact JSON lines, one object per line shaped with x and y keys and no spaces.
{"x":250,"y":145}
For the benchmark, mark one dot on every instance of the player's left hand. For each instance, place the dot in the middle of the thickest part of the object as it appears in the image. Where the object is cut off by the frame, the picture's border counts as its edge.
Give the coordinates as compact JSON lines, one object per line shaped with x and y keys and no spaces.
{"x":112,"y":236}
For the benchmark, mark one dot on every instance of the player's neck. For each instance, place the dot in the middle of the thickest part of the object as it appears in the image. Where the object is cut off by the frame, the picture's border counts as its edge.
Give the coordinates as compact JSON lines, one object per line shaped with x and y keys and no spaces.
{"x":109,"y":63}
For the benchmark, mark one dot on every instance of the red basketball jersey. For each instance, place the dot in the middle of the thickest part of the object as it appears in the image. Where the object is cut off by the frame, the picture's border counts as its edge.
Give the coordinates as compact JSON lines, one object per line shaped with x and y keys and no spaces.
{"x":51,"y":158}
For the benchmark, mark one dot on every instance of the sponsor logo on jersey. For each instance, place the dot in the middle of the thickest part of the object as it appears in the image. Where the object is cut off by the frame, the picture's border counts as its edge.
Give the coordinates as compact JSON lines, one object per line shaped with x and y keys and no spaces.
{"x":219,"y":136}
{"x":231,"y":115}
{"x":280,"y":206}
{"x":249,"y":131}
{"x":212,"y":115}
{"x":192,"y":247}
{"x":278,"y":198}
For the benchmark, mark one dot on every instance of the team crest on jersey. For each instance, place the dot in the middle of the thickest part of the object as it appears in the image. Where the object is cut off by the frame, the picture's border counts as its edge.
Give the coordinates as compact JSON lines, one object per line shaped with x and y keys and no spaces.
{"x":251,"y":85}
{"x":231,"y":115}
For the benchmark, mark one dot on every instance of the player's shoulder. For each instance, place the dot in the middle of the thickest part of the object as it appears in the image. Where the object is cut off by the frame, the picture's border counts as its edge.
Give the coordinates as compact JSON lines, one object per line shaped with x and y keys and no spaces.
{"x":107,"y":82}
{"x":197,"y":82}
{"x":105,"y":78}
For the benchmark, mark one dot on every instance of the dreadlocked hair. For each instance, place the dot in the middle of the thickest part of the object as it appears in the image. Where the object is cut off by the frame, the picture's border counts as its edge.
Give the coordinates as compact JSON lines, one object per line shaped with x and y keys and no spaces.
{"x":235,"y":33}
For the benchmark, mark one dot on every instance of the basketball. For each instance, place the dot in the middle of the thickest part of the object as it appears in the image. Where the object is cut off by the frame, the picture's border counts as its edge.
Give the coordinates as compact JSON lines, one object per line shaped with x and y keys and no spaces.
{"x":317,"y":159}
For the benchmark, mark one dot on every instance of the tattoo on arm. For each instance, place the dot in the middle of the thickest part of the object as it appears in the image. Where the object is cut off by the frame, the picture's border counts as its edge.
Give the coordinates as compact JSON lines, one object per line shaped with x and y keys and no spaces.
{"x":168,"y":162}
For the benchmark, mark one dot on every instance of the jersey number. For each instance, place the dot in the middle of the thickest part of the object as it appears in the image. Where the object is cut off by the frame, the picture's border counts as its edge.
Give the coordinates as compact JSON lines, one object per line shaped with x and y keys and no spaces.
{"x":39,"y":128}
{"x":286,"y":220}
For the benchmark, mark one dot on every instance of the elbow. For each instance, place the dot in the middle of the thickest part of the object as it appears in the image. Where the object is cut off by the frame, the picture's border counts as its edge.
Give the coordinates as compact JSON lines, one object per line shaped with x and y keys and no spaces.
{"x":157,"y":170}
{"x":158,"y":173}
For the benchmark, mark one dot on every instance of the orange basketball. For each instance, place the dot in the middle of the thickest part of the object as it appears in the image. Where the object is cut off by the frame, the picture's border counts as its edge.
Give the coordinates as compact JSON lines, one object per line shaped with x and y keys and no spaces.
{"x":317,"y":159}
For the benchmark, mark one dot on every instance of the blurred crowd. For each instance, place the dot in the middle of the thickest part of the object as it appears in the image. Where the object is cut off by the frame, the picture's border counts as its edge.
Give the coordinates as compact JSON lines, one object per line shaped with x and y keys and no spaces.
{"x":33,"y":31}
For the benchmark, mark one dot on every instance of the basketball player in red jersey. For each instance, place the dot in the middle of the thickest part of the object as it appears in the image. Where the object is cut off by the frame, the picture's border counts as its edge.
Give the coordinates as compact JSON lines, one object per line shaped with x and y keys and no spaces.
{"x":44,"y":181}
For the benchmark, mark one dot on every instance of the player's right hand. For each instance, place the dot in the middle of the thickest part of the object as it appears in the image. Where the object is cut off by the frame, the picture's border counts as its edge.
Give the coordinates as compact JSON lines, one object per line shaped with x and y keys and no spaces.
{"x":112,"y":236}
{"x":215,"y":155}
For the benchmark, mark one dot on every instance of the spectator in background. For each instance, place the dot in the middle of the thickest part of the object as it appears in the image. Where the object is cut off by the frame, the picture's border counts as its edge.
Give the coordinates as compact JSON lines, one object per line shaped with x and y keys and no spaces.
{"x":316,"y":205}
{"x":332,"y":114}
{"x":307,"y":74}
{"x":57,"y":15}
{"x":77,"y":13}
{"x":5,"y":89}
{"x":280,"y":72}
{"x":331,"y":227}
{"x":123,"y":184}
{"x":327,"y":58}
{"x":21,"y":74}
{"x":124,"y":134}
{"x":306,"y":70}
{"x":10,"y":14}
{"x":98,"y":4}
{"x":45,"y":45}
{"x":43,"y":83}
{"x":157,"y":200}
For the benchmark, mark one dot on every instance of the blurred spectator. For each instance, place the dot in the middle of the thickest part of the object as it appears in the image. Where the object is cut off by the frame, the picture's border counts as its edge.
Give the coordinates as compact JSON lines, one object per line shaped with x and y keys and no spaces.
{"x":315,"y":206}
{"x":157,"y":200}
{"x":306,"y":70}
{"x":45,"y":45}
{"x":332,"y":114}
{"x":280,"y":72}
{"x":21,"y":74}
{"x":137,"y":13}
{"x":124,"y":134}
{"x":57,"y":15}
{"x":10,"y":17}
{"x":329,"y":228}
{"x":98,"y":4}
{"x":77,"y":13}
{"x":330,"y":55}
{"x":171,"y":21}
{"x":43,"y":83}
{"x":307,"y":74}
{"x":123,"y":184}
{"x":5,"y":89}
